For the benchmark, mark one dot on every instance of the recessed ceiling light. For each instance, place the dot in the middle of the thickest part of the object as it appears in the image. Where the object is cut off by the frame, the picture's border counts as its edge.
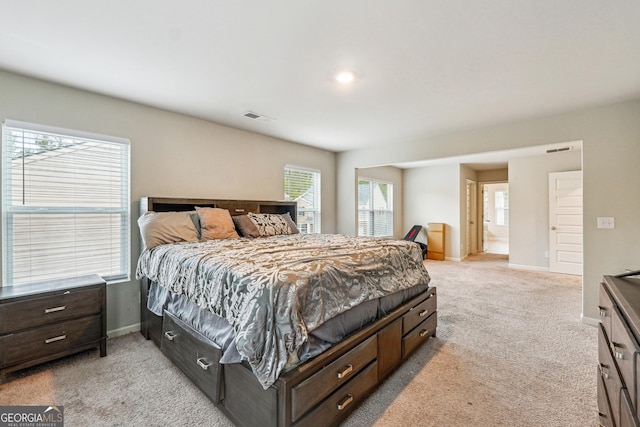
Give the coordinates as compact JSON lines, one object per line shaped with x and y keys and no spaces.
{"x":345,"y":77}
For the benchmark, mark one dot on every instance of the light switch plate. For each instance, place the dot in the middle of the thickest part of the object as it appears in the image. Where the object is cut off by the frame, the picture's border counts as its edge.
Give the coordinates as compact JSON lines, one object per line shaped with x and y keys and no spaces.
{"x":606,"y":222}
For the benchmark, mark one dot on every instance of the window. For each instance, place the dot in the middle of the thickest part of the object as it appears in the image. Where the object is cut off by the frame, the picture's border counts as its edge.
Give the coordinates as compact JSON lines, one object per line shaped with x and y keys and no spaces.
{"x":303,"y":186}
{"x":502,"y":208}
{"x":65,"y":204}
{"x":375,"y":208}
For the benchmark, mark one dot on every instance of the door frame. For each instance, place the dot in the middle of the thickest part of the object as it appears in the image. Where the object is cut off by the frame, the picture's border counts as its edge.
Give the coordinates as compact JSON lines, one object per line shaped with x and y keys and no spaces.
{"x":554,"y":225}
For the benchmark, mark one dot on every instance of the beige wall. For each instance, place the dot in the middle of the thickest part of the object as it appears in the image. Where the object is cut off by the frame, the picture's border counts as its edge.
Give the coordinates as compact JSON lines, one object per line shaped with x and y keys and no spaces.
{"x":171,"y":155}
{"x":529,"y":206}
{"x":610,"y":153}
{"x":432,"y":195}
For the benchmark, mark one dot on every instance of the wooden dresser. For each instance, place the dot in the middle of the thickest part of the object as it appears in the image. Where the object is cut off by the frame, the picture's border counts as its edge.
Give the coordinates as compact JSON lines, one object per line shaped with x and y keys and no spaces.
{"x":435,"y":240}
{"x":619,"y":352}
{"x":42,"y":322}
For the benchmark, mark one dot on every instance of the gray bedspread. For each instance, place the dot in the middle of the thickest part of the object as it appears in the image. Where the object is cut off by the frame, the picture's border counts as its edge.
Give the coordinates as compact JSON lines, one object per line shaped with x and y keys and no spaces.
{"x":275,"y":290}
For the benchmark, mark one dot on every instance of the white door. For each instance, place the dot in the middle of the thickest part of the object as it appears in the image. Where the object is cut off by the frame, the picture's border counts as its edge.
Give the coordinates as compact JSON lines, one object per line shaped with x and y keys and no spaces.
{"x":565,"y":222}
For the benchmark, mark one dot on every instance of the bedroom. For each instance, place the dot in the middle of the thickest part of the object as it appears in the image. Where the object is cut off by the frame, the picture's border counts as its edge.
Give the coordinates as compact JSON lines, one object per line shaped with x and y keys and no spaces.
{"x":186,"y":149}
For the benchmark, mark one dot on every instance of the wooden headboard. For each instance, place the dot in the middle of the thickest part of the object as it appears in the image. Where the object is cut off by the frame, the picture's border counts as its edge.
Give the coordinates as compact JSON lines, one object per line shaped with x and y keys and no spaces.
{"x":235,"y":207}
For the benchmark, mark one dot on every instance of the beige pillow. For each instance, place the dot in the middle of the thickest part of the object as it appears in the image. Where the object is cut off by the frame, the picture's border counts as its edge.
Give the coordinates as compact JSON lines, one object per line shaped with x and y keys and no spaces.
{"x":216,"y":223}
{"x":160,"y":228}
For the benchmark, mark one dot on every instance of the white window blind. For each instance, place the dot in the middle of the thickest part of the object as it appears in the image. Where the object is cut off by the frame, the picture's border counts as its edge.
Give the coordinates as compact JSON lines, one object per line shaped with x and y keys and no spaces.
{"x":502,"y":208}
{"x":375,"y":208}
{"x":65,"y":204}
{"x":303,"y":186}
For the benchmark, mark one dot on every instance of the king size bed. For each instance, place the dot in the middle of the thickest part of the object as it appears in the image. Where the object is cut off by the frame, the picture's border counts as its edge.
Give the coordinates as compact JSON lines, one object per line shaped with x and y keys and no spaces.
{"x":276,"y":327}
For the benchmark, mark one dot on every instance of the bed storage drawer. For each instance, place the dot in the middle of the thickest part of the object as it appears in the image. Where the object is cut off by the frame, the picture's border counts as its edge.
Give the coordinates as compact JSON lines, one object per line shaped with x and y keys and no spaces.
{"x":420,"y":312}
{"x":344,"y":400}
{"x":194,"y":354}
{"x":315,"y":388}
{"x":419,"y":334}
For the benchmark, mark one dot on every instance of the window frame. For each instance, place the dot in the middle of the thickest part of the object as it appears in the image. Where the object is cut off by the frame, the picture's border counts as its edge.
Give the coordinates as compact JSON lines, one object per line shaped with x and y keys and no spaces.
{"x":316,"y":209}
{"x":372,"y":211}
{"x":122,"y":210}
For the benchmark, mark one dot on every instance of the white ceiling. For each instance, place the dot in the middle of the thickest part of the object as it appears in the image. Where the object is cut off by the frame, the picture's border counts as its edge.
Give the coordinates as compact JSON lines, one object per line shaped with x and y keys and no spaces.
{"x":423,"y":66}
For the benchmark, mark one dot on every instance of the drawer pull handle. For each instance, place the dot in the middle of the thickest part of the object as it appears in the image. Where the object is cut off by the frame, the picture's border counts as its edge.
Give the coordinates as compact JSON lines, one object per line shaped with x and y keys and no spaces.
{"x":54,"y":339}
{"x":202,"y":362}
{"x":603,"y":371}
{"x":424,"y":332}
{"x":54,"y":309}
{"x":617,"y":354}
{"x":345,"y":402}
{"x":239,"y":210}
{"x":424,"y":313}
{"x":346,"y":371}
{"x":431,"y":296}
{"x":170,"y":335}
{"x":603,"y":311}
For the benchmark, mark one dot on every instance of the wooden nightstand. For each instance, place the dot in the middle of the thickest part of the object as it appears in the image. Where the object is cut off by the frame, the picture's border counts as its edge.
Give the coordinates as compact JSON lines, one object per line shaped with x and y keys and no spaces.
{"x":42,"y":322}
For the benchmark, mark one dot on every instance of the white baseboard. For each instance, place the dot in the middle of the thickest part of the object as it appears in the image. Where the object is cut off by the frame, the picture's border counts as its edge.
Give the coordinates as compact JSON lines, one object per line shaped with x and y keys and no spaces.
{"x":124,"y":330}
{"x":528,"y":267}
{"x":447,"y":258}
{"x":589,"y":321}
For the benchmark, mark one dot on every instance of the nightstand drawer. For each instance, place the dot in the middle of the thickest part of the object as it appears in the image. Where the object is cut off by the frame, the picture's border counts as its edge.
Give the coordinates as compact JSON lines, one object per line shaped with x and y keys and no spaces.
{"x":419,"y":313}
{"x":49,"y":340}
{"x":311,"y":391}
{"x":68,"y":304}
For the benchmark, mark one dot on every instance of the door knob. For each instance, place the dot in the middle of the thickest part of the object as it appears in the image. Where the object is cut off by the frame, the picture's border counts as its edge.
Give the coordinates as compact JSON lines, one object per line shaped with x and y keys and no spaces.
{"x":553,"y":227}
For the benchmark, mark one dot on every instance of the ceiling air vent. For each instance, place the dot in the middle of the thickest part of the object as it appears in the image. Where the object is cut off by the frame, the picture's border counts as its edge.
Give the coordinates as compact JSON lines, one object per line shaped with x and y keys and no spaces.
{"x":558,"y":150}
{"x":258,"y":117}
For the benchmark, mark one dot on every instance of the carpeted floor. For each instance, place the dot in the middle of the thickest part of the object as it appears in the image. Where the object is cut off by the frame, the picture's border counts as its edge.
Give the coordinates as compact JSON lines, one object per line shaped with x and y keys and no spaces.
{"x":510,"y":351}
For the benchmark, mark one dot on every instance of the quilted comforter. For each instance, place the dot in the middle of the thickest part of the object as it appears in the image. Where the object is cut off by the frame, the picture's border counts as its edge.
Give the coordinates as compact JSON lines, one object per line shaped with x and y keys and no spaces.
{"x":274,"y":291}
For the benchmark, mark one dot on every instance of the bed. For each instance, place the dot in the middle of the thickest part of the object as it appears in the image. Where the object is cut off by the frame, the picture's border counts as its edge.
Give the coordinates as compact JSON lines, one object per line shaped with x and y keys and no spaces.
{"x":278,"y":328}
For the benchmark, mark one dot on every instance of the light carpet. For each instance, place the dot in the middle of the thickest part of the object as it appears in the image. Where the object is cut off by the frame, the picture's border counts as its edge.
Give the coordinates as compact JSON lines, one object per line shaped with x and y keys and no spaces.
{"x":510,"y":350}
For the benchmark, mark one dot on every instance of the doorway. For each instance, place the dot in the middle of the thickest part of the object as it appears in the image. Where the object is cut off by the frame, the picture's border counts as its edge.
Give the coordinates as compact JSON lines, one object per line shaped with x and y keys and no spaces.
{"x":495,"y":235}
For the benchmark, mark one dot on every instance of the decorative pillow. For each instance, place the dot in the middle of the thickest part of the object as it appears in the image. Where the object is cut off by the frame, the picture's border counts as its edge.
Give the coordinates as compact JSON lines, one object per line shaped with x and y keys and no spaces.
{"x":216,"y":223}
{"x":273,"y":224}
{"x":245,"y":226}
{"x":159,"y":228}
{"x":292,"y":225}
